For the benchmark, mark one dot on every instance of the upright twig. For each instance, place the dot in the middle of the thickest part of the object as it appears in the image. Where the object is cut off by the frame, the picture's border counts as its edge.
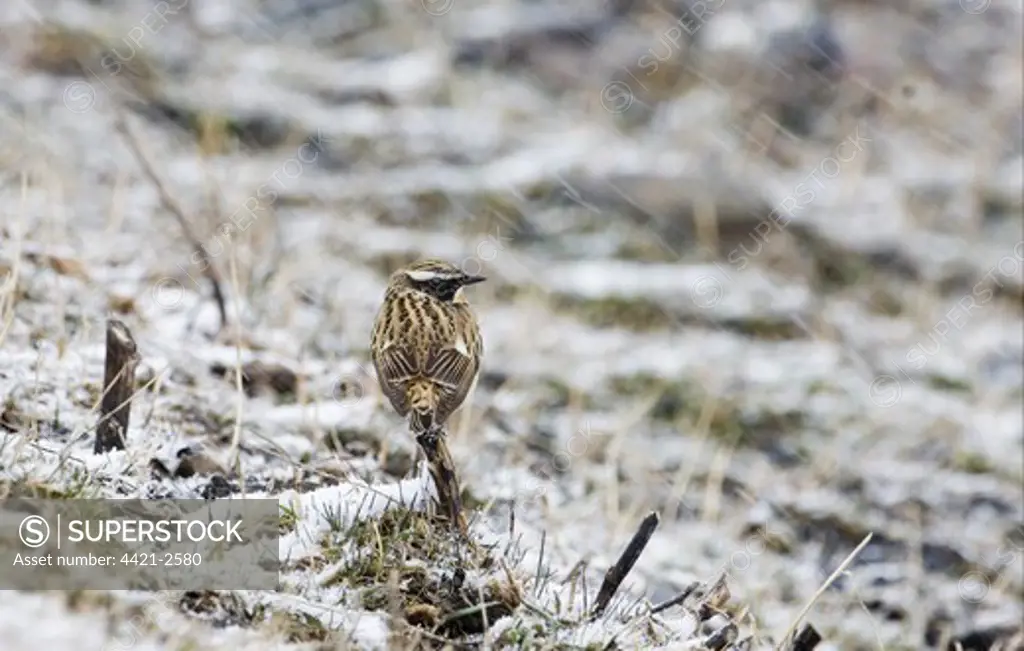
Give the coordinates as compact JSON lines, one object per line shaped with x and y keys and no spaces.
{"x":168,"y":201}
{"x":617,"y":573}
{"x":442,"y":470}
{"x":806,"y":640}
{"x":118,"y":385}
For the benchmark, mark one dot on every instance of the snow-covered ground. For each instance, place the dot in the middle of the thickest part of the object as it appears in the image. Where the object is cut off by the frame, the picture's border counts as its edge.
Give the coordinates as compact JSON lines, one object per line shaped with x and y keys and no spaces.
{"x":784,"y":333}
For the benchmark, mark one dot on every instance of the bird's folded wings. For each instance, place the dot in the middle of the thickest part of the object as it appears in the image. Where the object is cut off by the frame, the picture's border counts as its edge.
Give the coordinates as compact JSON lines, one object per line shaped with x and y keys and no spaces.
{"x":453,"y":370}
{"x":396,"y":365}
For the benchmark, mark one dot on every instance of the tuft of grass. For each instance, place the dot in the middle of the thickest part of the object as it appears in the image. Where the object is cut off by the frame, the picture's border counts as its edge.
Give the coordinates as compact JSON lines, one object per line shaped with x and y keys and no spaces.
{"x":636,"y":314}
{"x":765,"y":328}
{"x":972,"y":463}
{"x":945,"y":383}
{"x":78,"y":486}
{"x":408,"y":563}
{"x":639,"y":314}
{"x":287,"y":519}
{"x":683,"y":400}
{"x":298,"y":628}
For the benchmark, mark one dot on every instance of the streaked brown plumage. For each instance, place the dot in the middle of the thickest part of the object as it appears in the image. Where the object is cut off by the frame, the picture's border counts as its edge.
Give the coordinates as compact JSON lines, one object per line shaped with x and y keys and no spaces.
{"x":426,"y":348}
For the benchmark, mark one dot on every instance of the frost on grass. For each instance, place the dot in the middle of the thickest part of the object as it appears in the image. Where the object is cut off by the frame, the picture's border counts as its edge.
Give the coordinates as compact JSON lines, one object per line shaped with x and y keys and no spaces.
{"x":715,"y":360}
{"x":364,"y":561}
{"x":308,"y":516}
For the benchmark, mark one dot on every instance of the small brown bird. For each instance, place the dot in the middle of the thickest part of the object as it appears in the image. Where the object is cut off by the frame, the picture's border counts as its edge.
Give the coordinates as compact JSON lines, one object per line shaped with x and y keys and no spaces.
{"x":426,"y":347}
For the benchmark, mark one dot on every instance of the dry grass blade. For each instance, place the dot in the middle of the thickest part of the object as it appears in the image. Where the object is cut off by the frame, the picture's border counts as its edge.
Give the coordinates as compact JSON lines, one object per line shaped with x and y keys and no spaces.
{"x":9,"y":278}
{"x":824,"y":586}
{"x":168,"y":201}
{"x":676,"y":600}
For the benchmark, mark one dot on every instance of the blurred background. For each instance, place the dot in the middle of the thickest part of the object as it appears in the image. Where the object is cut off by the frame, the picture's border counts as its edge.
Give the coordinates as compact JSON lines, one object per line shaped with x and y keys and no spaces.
{"x":753,"y":264}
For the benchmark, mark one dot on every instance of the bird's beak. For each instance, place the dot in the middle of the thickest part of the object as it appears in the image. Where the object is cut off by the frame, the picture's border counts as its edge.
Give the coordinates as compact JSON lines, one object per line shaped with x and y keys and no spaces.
{"x":472,"y":280}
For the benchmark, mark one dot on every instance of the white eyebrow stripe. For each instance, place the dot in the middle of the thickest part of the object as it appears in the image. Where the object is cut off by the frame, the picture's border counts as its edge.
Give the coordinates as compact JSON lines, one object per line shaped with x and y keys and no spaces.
{"x":421,"y":276}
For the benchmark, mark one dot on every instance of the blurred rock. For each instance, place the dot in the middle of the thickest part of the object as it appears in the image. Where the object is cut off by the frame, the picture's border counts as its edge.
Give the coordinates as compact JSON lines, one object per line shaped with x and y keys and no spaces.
{"x":552,"y":48}
{"x":797,"y":78}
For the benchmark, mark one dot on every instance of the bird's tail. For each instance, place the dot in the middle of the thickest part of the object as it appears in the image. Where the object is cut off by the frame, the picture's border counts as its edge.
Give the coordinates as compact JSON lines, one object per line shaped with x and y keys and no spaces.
{"x":423,"y":399}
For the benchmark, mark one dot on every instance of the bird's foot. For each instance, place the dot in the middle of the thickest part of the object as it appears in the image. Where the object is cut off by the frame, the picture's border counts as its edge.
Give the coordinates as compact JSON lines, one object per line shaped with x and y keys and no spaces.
{"x":428,"y":439}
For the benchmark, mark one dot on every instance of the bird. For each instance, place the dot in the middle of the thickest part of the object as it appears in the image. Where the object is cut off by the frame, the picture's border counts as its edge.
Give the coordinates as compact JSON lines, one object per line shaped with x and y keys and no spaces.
{"x":427,"y":349}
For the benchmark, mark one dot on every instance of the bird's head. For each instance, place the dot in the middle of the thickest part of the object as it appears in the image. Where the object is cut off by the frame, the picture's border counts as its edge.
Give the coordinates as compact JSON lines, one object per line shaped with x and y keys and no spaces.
{"x":440,"y":279}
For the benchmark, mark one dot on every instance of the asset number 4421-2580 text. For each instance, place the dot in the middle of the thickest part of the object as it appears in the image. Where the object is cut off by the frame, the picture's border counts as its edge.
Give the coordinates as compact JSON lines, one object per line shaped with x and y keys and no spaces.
{"x":156,"y":560}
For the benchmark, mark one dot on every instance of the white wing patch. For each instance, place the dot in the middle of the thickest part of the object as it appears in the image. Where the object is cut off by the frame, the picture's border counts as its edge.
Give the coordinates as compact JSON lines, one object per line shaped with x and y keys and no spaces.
{"x":461,"y":347}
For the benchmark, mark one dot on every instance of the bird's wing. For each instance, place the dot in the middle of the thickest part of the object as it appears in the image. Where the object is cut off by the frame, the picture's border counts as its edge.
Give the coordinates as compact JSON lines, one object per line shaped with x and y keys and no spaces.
{"x":452,"y":369}
{"x":395,"y":366}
